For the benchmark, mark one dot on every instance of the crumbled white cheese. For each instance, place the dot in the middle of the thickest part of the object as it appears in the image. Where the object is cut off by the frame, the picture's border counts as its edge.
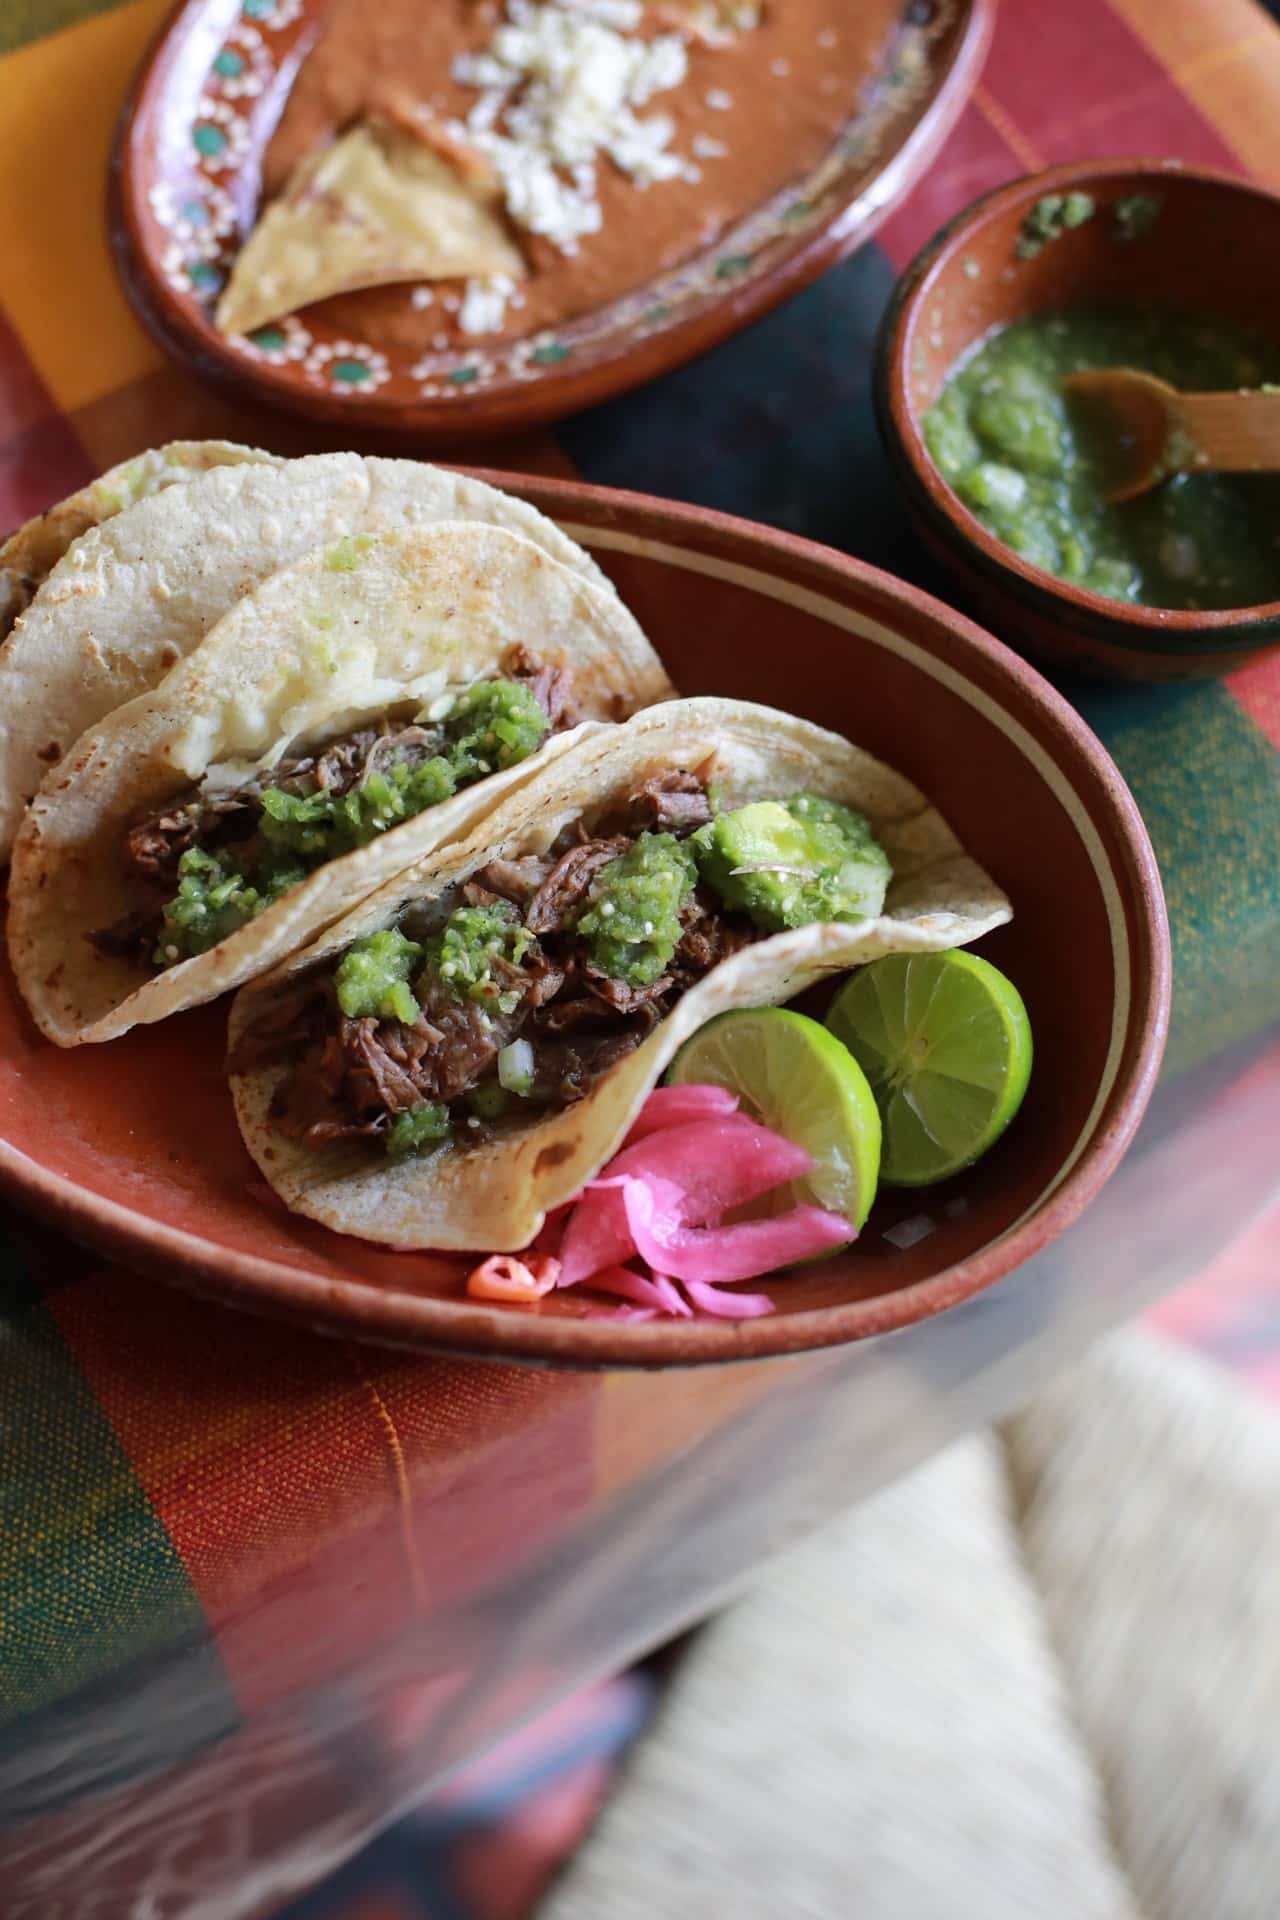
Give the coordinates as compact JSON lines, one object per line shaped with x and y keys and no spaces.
{"x":421,"y":297}
{"x":624,"y":14}
{"x":718,"y":100}
{"x":484,"y":303}
{"x":705,"y":148}
{"x":559,"y":85}
{"x":780,"y":68}
{"x":828,"y":38}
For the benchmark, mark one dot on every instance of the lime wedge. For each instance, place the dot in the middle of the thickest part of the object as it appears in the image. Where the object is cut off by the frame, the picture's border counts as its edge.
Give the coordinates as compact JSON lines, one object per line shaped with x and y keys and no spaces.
{"x":945,"y":1041}
{"x":791,"y":1075}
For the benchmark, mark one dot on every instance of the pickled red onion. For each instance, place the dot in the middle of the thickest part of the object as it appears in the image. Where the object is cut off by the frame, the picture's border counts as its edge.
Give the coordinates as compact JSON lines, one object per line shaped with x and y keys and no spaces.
{"x":656,"y":1291}
{"x":685,"y":1163}
{"x":718,"y":1254}
{"x":711,"y":1165}
{"x":672,"y":1106}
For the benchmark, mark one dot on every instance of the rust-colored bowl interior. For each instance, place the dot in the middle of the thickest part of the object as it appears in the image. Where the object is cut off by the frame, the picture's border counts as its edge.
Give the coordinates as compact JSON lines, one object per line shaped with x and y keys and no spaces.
{"x":1214,"y":248}
{"x":133,"y":1146}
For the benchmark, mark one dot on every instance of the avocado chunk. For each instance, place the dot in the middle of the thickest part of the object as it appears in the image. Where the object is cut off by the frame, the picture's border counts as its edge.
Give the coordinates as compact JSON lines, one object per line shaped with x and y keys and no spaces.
{"x":791,"y":863}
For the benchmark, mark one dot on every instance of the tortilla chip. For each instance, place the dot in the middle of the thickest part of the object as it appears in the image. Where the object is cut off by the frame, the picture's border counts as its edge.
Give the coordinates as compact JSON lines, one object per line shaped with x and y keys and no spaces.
{"x":380,"y":205}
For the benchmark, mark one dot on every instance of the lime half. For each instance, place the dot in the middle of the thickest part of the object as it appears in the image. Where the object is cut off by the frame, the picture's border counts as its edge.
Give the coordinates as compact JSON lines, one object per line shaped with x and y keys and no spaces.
{"x":945,"y":1041}
{"x":791,"y":1075}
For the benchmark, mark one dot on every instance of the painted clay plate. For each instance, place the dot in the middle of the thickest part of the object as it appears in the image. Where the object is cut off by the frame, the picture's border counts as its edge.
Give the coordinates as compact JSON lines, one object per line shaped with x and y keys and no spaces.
{"x":133,"y":1146}
{"x":185,"y":184}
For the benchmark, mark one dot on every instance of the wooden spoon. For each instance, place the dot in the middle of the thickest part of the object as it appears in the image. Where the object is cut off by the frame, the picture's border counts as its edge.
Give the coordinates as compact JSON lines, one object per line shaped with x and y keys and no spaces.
{"x":1150,"y":429}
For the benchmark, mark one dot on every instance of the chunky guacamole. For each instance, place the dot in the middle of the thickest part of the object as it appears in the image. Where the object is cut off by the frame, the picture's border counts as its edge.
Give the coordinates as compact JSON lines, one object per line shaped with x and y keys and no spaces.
{"x":790,"y":863}
{"x":1026,"y":461}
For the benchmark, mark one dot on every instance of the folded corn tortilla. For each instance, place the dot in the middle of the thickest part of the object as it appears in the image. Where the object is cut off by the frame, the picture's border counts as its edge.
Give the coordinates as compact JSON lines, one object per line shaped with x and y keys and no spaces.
{"x":133,"y":596}
{"x":494,"y":1194}
{"x":30,"y":553}
{"x":377,"y":625}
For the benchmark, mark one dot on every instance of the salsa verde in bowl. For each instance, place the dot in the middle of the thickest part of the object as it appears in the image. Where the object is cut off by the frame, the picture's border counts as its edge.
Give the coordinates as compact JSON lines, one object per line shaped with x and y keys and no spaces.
{"x":1149,"y":265}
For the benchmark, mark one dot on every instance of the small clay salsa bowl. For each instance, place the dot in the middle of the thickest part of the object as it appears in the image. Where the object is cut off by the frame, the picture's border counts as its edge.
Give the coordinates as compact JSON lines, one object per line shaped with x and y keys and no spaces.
{"x":188,"y":165}
{"x":133,"y":1146}
{"x":1207,"y":245}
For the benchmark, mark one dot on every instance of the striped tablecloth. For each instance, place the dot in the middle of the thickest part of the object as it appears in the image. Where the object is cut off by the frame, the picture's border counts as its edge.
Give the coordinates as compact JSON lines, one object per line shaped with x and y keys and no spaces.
{"x":229,"y":1553}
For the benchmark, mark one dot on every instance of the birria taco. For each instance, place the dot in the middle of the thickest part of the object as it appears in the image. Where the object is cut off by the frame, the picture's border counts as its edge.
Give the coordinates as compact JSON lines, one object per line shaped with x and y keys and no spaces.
{"x":469,"y":1046}
{"x":136,"y":593}
{"x":360,"y":709}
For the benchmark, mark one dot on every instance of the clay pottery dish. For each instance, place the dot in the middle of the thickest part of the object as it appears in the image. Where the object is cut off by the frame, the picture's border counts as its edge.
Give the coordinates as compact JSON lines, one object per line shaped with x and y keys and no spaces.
{"x":1213,"y":247}
{"x":184,"y":186}
{"x":133,"y":1146}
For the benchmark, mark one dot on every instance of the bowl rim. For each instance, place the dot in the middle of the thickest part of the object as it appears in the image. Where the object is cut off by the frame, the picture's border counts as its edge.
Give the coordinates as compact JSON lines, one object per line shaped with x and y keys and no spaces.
{"x":559,"y":390}
{"x":275,"y":1286}
{"x":1127,"y":619}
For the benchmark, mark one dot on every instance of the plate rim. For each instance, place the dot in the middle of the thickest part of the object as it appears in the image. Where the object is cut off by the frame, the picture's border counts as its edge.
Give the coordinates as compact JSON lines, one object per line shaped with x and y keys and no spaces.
{"x":277,"y":1288}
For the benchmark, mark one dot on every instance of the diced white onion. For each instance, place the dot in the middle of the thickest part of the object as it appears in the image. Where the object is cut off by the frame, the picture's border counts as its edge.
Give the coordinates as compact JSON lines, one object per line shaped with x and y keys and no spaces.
{"x":909,"y":1232}
{"x":515,"y":1067}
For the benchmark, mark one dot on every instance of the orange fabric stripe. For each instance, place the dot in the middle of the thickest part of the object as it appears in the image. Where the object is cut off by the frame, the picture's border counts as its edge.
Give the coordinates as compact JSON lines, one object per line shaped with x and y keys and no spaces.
{"x":316,"y":1505}
{"x":1225,"y":57}
{"x":59,"y":102}
{"x":1006,"y":127}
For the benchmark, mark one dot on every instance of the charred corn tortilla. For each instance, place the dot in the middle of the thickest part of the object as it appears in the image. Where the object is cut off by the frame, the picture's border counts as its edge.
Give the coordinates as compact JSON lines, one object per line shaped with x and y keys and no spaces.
{"x":134,"y":595}
{"x":365,"y":628}
{"x":496,"y":1192}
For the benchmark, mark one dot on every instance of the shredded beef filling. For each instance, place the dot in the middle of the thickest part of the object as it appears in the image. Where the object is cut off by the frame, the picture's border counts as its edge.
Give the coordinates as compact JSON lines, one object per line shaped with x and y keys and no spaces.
{"x":551,"y":687}
{"x":669,"y":800}
{"x":350,"y":1078}
{"x":155,"y":844}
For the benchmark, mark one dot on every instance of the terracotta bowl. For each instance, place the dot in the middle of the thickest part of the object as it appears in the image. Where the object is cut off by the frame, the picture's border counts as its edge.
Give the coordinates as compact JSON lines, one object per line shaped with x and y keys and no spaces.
{"x":1214,"y":248}
{"x":184,"y":182}
{"x":134,"y":1148}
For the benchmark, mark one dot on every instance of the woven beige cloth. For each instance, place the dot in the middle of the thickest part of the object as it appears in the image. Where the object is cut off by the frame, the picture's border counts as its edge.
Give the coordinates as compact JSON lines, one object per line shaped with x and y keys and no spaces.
{"x":1037,"y":1680}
